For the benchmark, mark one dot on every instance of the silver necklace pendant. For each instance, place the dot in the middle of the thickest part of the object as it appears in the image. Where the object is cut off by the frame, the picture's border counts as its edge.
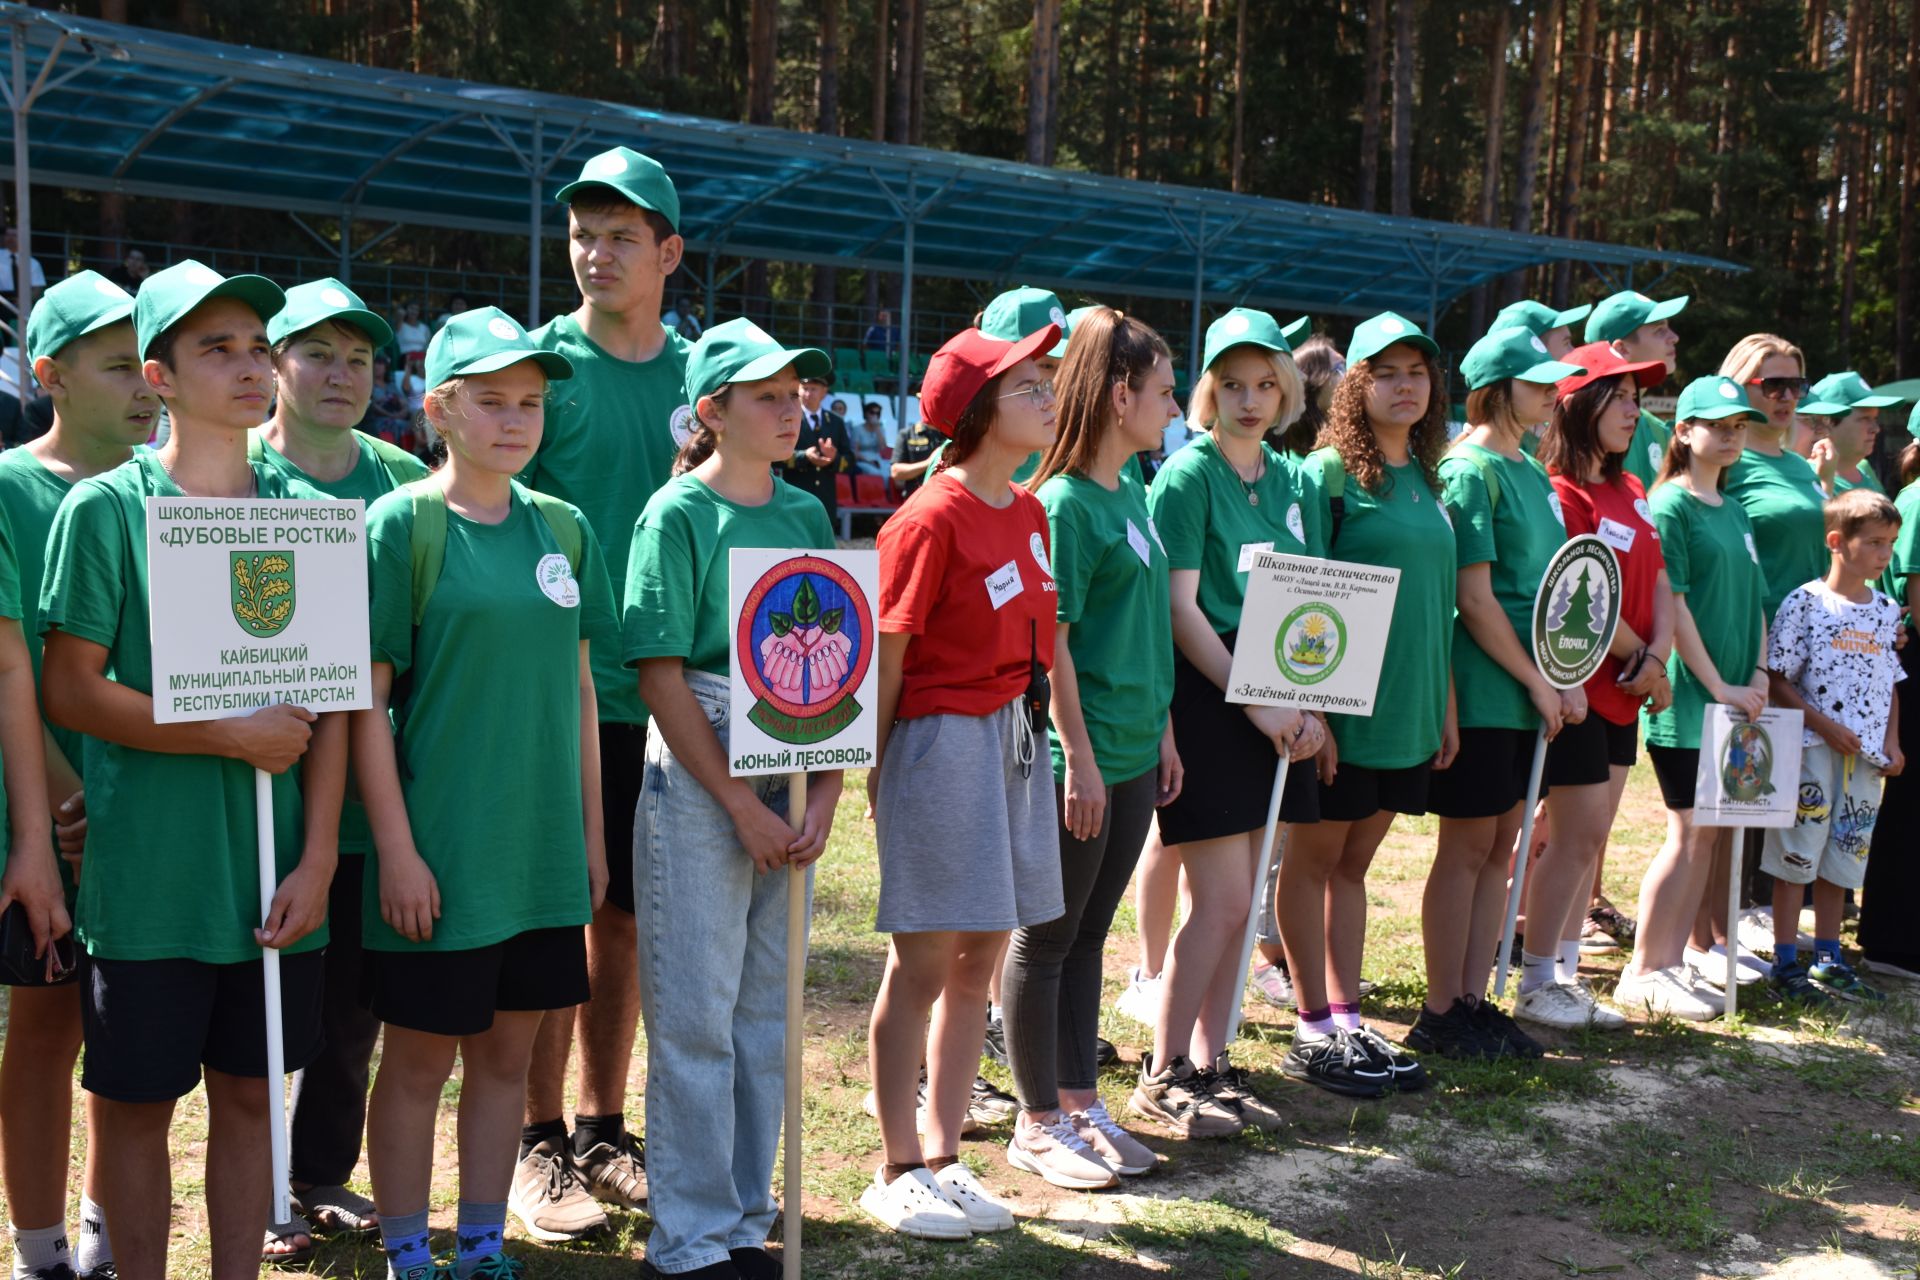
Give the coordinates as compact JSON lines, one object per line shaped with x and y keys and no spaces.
{"x":1253,"y":499}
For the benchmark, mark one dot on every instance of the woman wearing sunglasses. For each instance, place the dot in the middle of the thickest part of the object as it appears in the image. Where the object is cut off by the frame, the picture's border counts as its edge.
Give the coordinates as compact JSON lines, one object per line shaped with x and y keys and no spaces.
{"x":1780,"y":490}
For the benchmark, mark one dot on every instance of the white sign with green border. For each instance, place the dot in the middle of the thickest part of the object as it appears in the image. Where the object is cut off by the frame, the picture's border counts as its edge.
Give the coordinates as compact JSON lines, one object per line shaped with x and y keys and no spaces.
{"x":1312,"y":633}
{"x":1576,"y":611}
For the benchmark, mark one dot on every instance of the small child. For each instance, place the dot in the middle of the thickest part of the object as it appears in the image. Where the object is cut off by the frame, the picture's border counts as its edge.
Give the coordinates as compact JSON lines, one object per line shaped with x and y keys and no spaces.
{"x":1831,"y":656}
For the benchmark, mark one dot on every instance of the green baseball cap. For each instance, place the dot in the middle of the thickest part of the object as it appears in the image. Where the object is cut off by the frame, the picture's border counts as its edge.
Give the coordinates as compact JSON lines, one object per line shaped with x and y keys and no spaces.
{"x":1018,"y":312}
{"x":167,"y":296}
{"x":1513,"y":353}
{"x":741,"y":351}
{"x":1842,"y":393}
{"x":1714,"y":397}
{"x":319,"y":300}
{"x":485,"y":339}
{"x":638,"y":178}
{"x":1243,"y":326}
{"x":1538,"y":318}
{"x":1297,"y":332}
{"x":1621,"y":314}
{"x":1383,"y":331}
{"x":73,"y":309}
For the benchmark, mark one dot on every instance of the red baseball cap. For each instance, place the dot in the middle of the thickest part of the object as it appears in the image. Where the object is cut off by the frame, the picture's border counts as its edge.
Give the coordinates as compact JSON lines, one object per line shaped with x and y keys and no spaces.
{"x":1600,"y":360}
{"x":968,"y":362}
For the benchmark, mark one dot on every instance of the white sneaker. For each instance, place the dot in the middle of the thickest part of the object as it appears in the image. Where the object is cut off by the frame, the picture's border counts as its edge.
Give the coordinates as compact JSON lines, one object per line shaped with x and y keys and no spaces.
{"x":1141,"y":1000}
{"x":1666,"y":991}
{"x":1756,"y":932}
{"x":1887,"y":969}
{"x":982,"y":1212}
{"x":1059,"y":1154}
{"x":1599,"y":1016}
{"x":1712,"y":965}
{"x":1554,"y":1004}
{"x":914,"y":1205}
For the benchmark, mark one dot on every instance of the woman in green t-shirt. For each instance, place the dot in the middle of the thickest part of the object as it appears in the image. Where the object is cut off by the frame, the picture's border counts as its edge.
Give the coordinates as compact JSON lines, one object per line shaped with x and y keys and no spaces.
{"x":1378,"y":489}
{"x":1719,"y":641}
{"x":1507,"y":525}
{"x":1215,"y":505}
{"x":1783,"y":494}
{"x":712,"y":920}
{"x":1114,"y":760}
{"x":485,"y":805}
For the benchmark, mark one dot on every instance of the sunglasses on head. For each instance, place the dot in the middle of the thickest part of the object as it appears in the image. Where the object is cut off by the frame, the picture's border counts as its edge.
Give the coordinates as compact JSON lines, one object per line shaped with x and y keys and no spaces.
{"x":1781,"y":388}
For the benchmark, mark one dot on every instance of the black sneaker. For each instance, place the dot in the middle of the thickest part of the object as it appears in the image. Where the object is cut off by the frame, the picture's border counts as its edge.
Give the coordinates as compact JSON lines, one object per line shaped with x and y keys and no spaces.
{"x":1791,"y":984}
{"x":1502,"y":1033}
{"x":755,"y":1264}
{"x":1103,"y":1052}
{"x":1453,"y":1034}
{"x":1337,"y":1063}
{"x":58,"y":1271}
{"x":1408,"y":1075}
{"x":996,"y":1046}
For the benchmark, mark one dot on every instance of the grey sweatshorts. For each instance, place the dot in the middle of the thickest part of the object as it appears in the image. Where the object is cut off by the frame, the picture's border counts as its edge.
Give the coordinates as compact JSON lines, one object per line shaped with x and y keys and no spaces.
{"x":966,"y":842}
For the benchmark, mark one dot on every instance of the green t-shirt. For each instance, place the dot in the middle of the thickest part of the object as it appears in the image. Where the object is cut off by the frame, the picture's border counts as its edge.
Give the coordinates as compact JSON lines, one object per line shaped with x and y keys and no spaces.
{"x":1515,"y":538}
{"x":1906,"y":547}
{"x":1648,"y":449}
{"x":676,"y":603}
{"x":1713,"y":561}
{"x":1869,"y":479}
{"x":612,"y":432}
{"x":9,"y":610}
{"x":29,"y":496}
{"x":1205,"y":520}
{"x":1112,"y":577}
{"x":172,"y":863}
{"x":1404,"y":527}
{"x":486,"y":694}
{"x":1786,"y":506}
{"x":371,"y":478}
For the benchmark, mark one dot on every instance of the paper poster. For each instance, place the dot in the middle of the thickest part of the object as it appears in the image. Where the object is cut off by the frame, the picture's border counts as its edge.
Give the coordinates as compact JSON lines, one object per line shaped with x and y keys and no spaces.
{"x":1749,"y":770}
{"x":803,"y":661}
{"x":1312,"y":633}
{"x":254,"y":602}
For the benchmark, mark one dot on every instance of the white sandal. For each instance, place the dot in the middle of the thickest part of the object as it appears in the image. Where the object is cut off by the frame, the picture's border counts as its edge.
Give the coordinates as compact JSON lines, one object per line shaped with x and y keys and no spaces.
{"x":914,"y":1205}
{"x":983,"y":1212}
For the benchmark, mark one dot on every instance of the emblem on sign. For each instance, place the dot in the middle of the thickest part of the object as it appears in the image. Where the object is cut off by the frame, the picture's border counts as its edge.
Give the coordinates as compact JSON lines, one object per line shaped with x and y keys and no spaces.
{"x":1310,"y":643}
{"x":1746,"y":764}
{"x":261,"y":591}
{"x":804,"y":642}
{"x":1576,"y":611}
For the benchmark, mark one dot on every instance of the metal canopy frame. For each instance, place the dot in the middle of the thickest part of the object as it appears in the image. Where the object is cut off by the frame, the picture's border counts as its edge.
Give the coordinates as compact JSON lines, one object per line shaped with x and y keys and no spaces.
{"x":146,"y":113}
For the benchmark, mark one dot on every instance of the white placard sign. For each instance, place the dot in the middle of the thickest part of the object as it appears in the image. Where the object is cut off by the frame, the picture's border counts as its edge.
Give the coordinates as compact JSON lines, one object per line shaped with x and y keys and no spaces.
{"x":1749,"y":770}
{"x":804,"y":660}
{"x":1312,"y":633}
{"x":257,"y":601}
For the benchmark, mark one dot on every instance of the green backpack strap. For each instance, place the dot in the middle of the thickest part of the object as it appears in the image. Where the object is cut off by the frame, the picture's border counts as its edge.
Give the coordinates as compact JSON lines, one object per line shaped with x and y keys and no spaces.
{"x":561,"y":520}
{"x":401,"y":467}
{"x":429,"y":542}
{"x":1333,"y":472}
{"x":256,"y":447}
{"x":1482,"y":462}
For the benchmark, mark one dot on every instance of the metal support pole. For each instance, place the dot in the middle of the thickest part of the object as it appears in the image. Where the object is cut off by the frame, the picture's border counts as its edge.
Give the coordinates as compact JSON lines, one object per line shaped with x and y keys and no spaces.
{"x":906,"y":305}
{"x":1199,"y":290}
{"x":534,"y":175}
{"x":22,"y":210}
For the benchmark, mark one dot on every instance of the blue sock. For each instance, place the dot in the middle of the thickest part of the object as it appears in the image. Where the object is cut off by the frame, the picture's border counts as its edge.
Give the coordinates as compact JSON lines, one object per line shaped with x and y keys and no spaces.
{"x":1785,"y":956}
{"x":404,"y":1236}
{"x":1826,"y":951}
{"x":480,"y":1234}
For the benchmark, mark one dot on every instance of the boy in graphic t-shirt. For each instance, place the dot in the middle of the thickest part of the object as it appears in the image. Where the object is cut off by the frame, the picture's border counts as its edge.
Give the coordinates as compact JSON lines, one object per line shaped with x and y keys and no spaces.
{"x":1831,"y":655}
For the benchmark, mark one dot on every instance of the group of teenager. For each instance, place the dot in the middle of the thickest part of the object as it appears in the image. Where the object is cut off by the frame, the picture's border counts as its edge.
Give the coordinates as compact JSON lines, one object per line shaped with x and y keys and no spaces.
{"x":532,"y":839}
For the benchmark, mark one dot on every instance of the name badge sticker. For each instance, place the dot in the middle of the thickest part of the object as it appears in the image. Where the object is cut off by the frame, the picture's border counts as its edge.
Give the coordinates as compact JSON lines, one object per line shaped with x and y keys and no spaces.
{"x":1138,"y":541}
{"x":1616,"y":535}
{"x":1003,"y":584}
{"x":1248,"y":550}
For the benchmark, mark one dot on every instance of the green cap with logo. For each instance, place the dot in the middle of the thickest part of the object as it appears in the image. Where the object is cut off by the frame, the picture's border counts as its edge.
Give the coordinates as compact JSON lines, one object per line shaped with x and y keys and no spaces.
{"x":1297,"y":332}
{"x":741,"y":351}
{"x":1018,"y":312}
{"x":1243,"y":326}
{"x":483,"y":340}
{"x":322,"y":300}
{"x":1513,"y":353}
{"x":1714,"y":397}
{"x":73,"y":309}
{"x":638,"y":178}
{"x":1383,"y":331}
{"x":1839,"y":394}
{"x":167,"y":296}
{"x":1538,"y":318}
{"x":1621,"y":314}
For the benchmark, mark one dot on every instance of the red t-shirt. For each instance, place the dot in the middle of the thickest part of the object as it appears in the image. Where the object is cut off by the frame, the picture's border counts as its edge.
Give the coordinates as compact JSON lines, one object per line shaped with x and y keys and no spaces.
{"x":973,"y":585}
{"x":1618,"y":514}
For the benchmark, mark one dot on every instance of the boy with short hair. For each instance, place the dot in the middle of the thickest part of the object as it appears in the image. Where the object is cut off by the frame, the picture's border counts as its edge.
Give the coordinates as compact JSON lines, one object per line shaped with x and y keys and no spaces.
{"x":169,"y":904}
{"x":612,"y":431}
{"x":1830,"y":655}
{"x":81,"y":341}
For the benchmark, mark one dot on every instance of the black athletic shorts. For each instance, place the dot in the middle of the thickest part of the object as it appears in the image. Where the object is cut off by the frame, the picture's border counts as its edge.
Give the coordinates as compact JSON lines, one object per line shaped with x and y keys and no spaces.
{"x":1229,"y":766}
{"x":151,"y":1025}
{"x":1677,"y":769}
{"x":623,"y":758}
{"x":1584,"y":754}
{"x":1488,"y":777}
{"x":1358,"y":792}
{"x":456,"y":993}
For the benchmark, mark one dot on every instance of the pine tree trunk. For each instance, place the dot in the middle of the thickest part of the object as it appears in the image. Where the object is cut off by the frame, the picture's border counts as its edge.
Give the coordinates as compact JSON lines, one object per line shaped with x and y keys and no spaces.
{"x":1403,"y":54}
{"x":826,"y":85}
{"x":882,"y":43}
{"x":1609,"y":104}
{"x":1043,"y":64}
{"x":1855,"y":169}
{"x":1373,"y":75}
{"x":762,"y":24}
{"x":1203,"y":98}
{"x":1496,"y":117}
{"x":1240,"y":97}
{"x":918,"y":85}
{"x":900,"y":122}
{"x":1533,"y":113}
{"x":1903,"y":363}
{"x":1110,"y":100}
{"x":1556,"y":124}
{"x":1579,"y":113}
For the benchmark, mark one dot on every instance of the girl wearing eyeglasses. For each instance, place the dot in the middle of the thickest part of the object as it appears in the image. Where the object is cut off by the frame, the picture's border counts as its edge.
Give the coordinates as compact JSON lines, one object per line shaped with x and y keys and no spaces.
{"x":1780,"y":490}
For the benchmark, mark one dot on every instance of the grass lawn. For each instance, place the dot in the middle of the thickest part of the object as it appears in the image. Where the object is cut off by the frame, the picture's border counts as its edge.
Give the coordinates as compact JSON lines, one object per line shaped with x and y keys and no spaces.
{"x":1778,"y":1146}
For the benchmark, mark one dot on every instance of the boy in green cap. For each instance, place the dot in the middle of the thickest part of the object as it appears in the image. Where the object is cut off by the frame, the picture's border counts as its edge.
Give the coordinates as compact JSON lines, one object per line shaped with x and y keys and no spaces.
{"x":169,"y":905}
{"x":80,"y":339}
{"x":612,"y":431}
{"x":1638,"y":328}
{"x":324,"y":341}
{"x":1846,"y":415}
{"x":1555,"y":328}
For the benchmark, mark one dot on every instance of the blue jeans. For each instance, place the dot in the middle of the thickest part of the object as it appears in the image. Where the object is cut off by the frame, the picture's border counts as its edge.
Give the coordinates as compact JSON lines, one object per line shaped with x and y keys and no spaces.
{"x":713,"y":965}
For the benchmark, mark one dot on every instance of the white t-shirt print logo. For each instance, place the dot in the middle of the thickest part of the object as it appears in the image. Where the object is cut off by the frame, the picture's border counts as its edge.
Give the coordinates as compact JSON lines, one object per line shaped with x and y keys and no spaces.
{"x":555,"y":577}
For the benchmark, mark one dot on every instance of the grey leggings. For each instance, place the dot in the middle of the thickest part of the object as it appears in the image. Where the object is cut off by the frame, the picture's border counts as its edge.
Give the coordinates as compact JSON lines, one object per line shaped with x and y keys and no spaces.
{"x":1051,"y":983}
